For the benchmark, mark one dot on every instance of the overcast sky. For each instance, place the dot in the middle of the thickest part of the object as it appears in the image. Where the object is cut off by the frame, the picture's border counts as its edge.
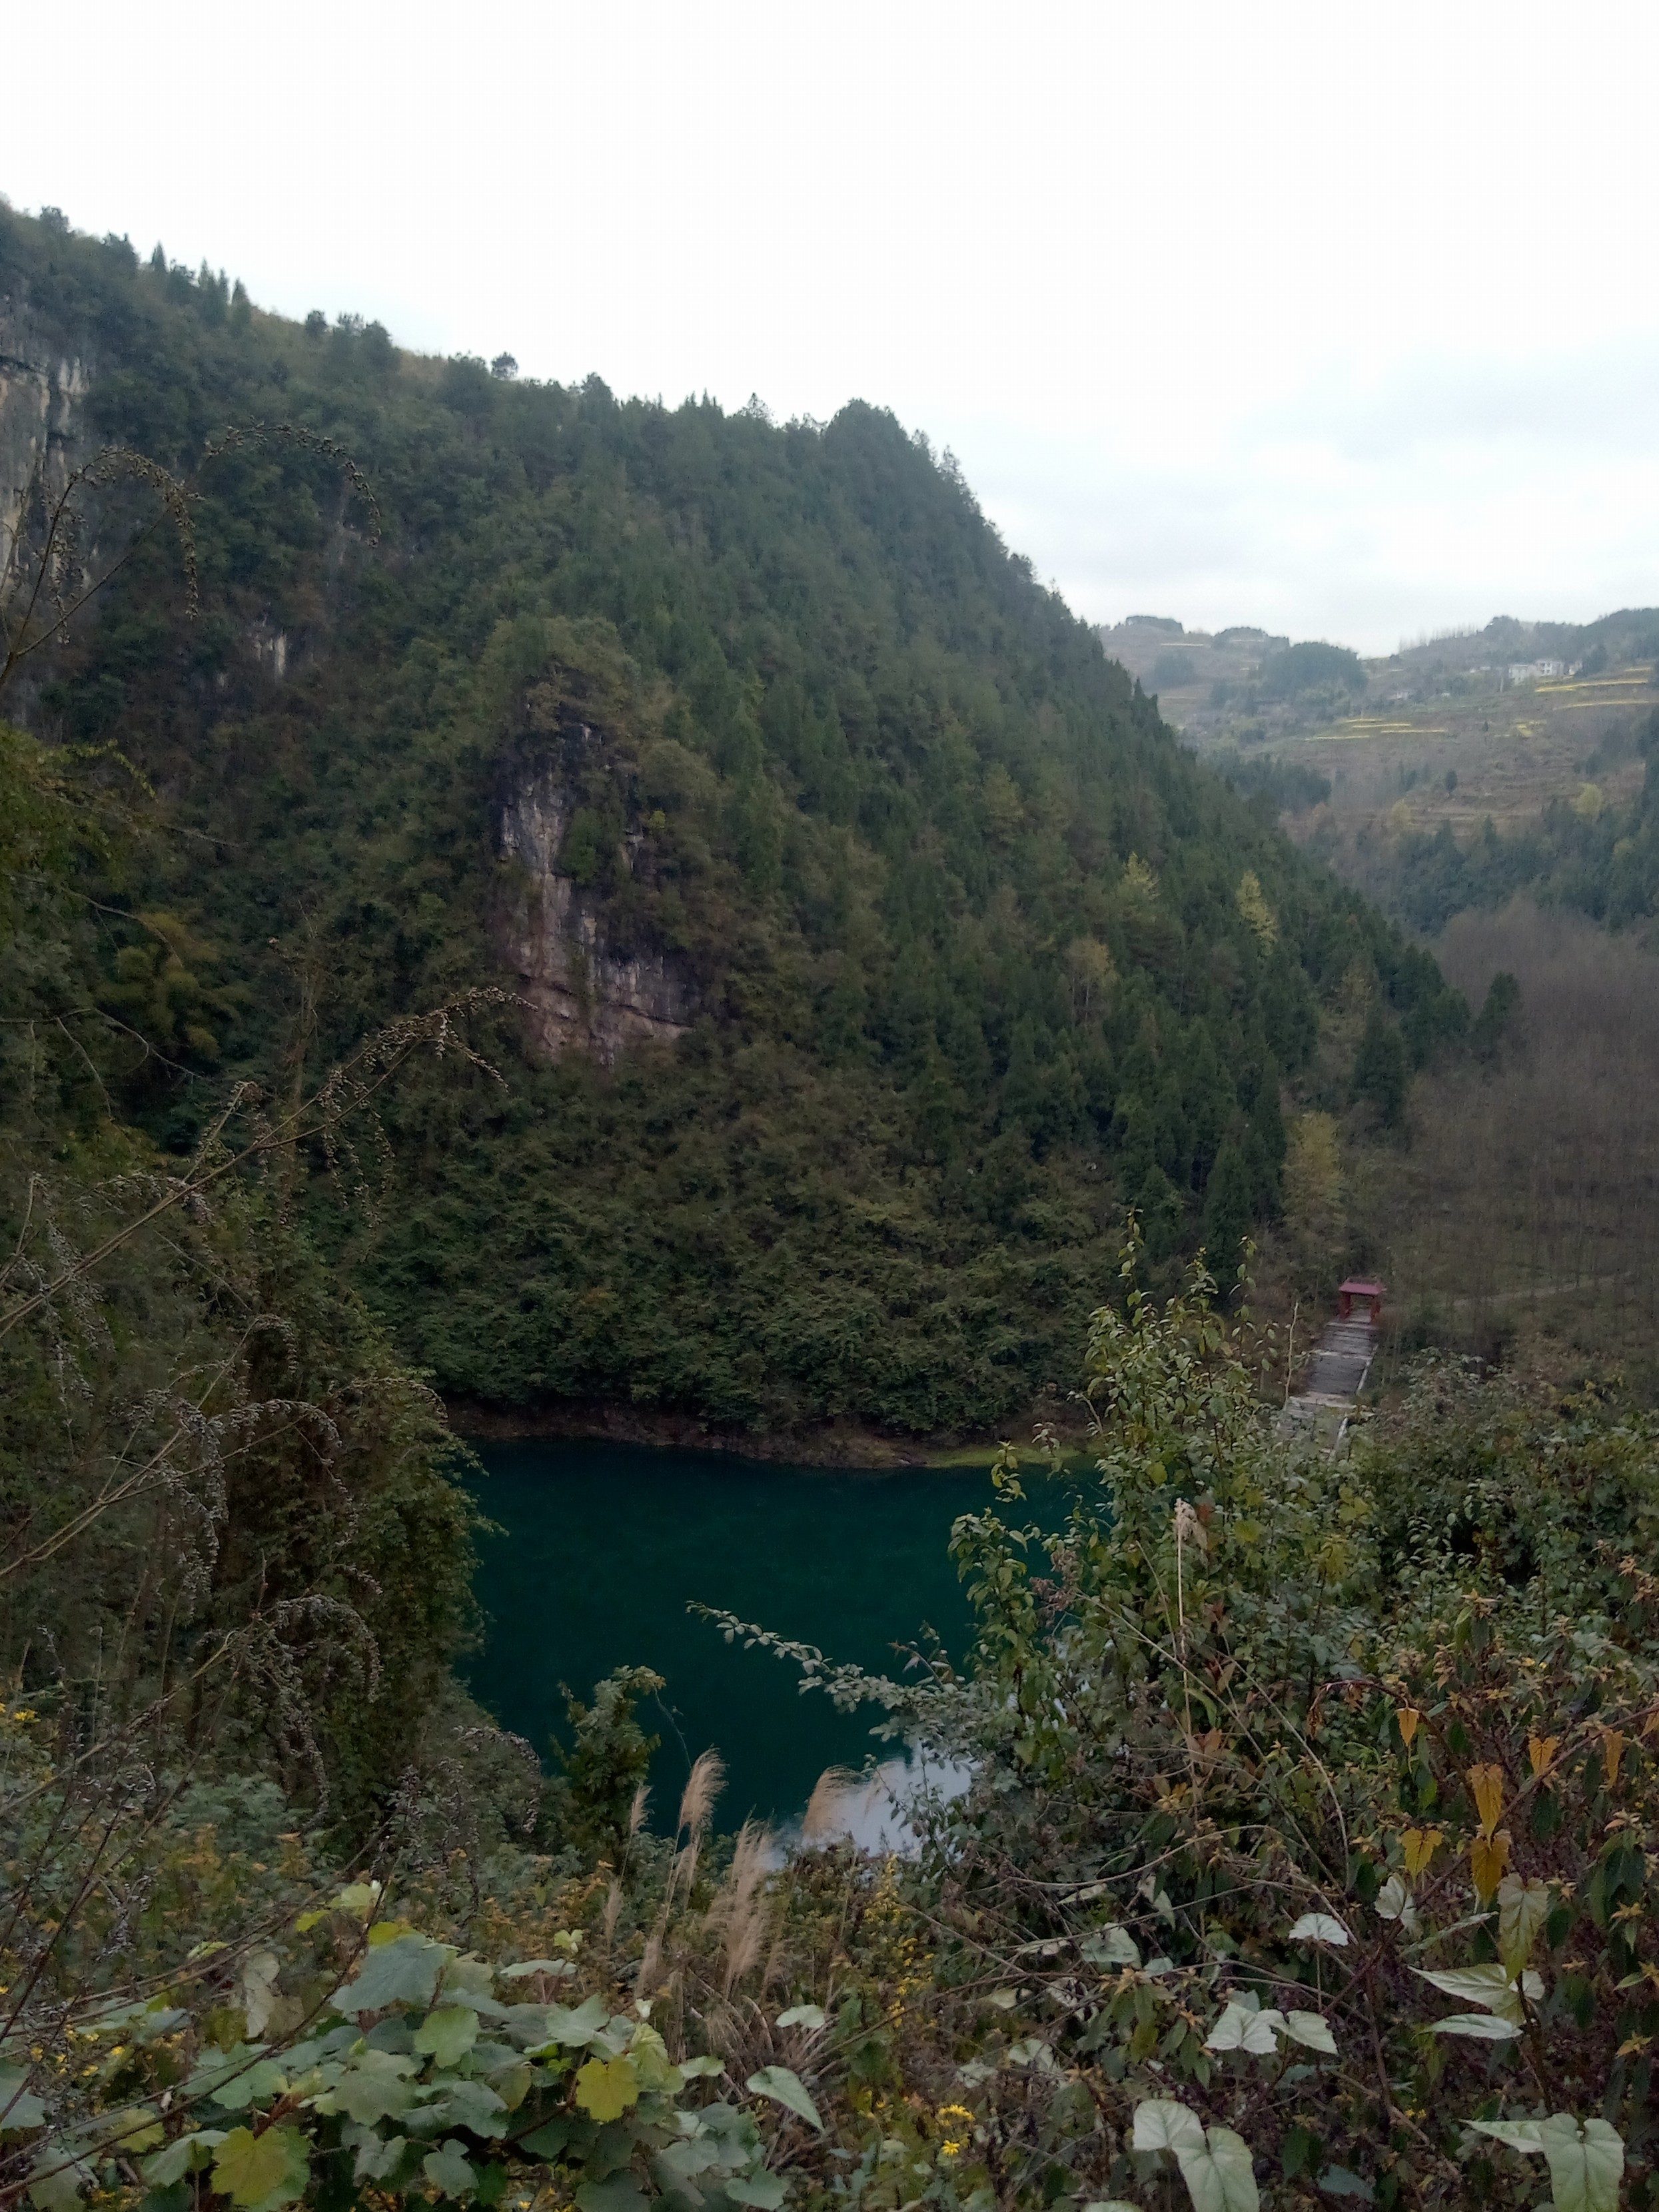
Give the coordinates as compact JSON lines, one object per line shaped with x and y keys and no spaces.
{"x":1338,"y":319}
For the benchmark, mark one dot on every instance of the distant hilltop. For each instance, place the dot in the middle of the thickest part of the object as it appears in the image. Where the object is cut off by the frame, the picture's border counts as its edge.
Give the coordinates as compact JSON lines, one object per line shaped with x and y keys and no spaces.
{"x":1204,"y":680}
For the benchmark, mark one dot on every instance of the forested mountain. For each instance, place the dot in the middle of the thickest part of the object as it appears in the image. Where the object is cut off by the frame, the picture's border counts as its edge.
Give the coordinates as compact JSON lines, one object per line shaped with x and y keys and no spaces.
{"x":727,"y":938}
{"x":869,"y":941}
{"x":1597,"y":859}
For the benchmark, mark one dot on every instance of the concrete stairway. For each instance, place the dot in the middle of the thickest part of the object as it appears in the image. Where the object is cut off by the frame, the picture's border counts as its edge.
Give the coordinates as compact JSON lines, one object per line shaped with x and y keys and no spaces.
{"x":1336,"y":1372}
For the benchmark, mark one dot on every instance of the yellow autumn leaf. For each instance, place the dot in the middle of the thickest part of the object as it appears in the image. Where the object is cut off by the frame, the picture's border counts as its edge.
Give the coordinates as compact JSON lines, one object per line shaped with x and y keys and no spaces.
{"x":1612,"y":1750}
{"x":1409,"y":1718}
{"x":1542,"y":1750}
{"x":1420,"y":1845}
{"x":1488,"y":1856}
{"x":606,"y":2088}
{"x":262,"y":2171}
{"x":1486,"y":1788}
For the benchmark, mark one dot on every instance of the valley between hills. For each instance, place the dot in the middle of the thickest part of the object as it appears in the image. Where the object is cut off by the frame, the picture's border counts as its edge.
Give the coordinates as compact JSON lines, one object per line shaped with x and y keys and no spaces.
{"x":539,"y":923}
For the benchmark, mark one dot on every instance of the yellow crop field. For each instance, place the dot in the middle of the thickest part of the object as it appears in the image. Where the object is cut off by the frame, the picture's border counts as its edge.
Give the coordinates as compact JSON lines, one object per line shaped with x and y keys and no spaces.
{"x":1600,"y":684}
{"x":1351,"y":732}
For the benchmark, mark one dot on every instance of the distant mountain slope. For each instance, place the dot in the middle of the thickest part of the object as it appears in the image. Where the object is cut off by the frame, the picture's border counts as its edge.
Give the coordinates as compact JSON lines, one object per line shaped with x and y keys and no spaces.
{"x":872,"y":941}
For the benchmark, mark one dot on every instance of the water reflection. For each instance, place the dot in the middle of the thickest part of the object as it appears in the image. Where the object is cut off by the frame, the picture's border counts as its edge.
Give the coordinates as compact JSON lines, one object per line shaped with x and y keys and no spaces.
{"x":873,"y":1810}
{"x":600,"y":1548}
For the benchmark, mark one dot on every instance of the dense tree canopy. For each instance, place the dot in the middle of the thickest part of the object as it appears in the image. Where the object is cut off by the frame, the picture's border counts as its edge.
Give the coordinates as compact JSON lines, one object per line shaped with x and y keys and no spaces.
{"x":958,"y":925}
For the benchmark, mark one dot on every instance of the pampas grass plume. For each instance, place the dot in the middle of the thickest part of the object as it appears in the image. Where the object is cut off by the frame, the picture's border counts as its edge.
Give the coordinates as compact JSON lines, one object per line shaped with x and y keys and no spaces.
{"x":703,"y":1785}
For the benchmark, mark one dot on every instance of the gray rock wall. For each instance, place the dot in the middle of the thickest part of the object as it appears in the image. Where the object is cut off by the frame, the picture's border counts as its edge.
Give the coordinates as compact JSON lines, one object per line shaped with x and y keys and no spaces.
{"x":584,"y":994}
{"x":41,"y":390}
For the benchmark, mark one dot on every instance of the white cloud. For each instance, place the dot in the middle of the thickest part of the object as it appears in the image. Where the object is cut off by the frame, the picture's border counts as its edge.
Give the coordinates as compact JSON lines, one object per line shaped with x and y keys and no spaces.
{"x":1335,"y":318}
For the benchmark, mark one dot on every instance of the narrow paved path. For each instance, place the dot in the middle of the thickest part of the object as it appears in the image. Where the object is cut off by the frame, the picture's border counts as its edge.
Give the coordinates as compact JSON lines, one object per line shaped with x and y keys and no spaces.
{"x":1336,"y":1374}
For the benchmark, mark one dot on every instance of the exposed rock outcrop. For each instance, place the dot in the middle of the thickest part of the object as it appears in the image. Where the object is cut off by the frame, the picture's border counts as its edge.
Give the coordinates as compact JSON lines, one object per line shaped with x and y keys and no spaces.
{"x":40,"y":396}
{"x":586,"y":991}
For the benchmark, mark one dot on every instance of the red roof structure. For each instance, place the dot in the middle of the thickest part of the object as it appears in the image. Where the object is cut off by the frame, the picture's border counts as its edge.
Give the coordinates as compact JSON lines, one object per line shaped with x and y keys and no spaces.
{"x":1359,"y":1289}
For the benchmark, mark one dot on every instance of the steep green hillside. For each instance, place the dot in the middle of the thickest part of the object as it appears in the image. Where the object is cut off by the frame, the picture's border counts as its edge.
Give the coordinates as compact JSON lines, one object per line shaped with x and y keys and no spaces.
{"x":1596,"y":859}
{"x":886,"y":942}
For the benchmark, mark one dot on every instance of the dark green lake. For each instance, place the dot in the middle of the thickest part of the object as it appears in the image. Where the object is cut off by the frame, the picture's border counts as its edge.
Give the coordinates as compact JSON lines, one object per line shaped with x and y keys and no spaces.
{"x":603,"y":1546}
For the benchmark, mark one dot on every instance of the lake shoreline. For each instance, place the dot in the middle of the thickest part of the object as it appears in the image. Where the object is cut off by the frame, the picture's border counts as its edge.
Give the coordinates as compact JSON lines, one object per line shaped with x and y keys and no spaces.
{"x":851,"y":1445}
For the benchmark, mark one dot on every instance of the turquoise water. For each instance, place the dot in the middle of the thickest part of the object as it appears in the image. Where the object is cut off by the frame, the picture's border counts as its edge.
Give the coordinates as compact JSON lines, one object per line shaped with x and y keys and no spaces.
{"x":602,"y":1546}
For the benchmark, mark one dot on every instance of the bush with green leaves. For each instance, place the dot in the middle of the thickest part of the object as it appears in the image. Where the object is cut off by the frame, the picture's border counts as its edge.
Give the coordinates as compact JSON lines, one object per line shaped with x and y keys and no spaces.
{"x":1276,"y":1870}
{"x":358,"y":2055}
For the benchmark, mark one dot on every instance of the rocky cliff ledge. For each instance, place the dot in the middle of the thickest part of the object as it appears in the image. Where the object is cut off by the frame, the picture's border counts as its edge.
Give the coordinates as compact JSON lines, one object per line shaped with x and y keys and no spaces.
{"x":585,"y":992}
{"x":40,"y":396}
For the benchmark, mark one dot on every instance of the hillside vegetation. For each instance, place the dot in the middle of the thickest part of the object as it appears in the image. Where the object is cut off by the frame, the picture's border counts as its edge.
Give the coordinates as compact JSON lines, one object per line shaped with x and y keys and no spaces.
{"x":953,"y":953}
{"x":888,"y":943}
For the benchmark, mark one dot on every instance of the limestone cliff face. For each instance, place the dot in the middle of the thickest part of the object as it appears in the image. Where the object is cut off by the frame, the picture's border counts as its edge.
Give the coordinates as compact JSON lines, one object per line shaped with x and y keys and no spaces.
{"x":41,"y":390}
{"x":586,"y":992}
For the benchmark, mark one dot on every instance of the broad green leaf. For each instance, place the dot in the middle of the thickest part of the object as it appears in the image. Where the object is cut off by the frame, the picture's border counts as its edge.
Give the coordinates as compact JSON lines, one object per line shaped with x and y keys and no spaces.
{"x":1586,"y":2165}
{"x":1522,"y":1909}
{"x":735,"y":2132}
{"x":1519,"y":2134}
{"x":457,"y":2102}
{"x":579,"y":2026}
{"x":57,"y":2179}
{"x":683,"y":2162}
{"x":787,"y":2089}
{"x":402,"y":1972}
{"x":1219,"y":2175}
{"x":1240,"y":2029}
{"x":1319,"y":1928}
{"x":549,"y":2141}
{"x":510,"y":2074}
{"x":803,"y":2015}
{"x":1310,"y":2030}
{"x":258,"y":2173}
{"x":1480,"y":2026}
{"x":606,"y":2088}
{"x":1340,"y":2181}
{"x":1396,"y":1902}
{"x":764,"y":2188}
{"x":260,"y":1972}
{"x":1163,"y":2124}
{"x":621,"y":2193}
{"x":126,"y":2134}
{"x":191,"y":2154}
{"x":467,"y":1980}
{"x":184,"y":2155}
{"x":707,"y":2063}
{"x":555,"y":1969}
{"x":375,"y":2085}
{"x":1487,"y":1986}
{"x":448,"y":2033}
{"x":378,"y":2156}
{"x":1110,"y":1947}
{"x":20,"y":2107}
{"x":449,"y":2172}
{"x":238,"y":2077}
{"x":656,"y":2070}
{"x":143,"y":2021}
